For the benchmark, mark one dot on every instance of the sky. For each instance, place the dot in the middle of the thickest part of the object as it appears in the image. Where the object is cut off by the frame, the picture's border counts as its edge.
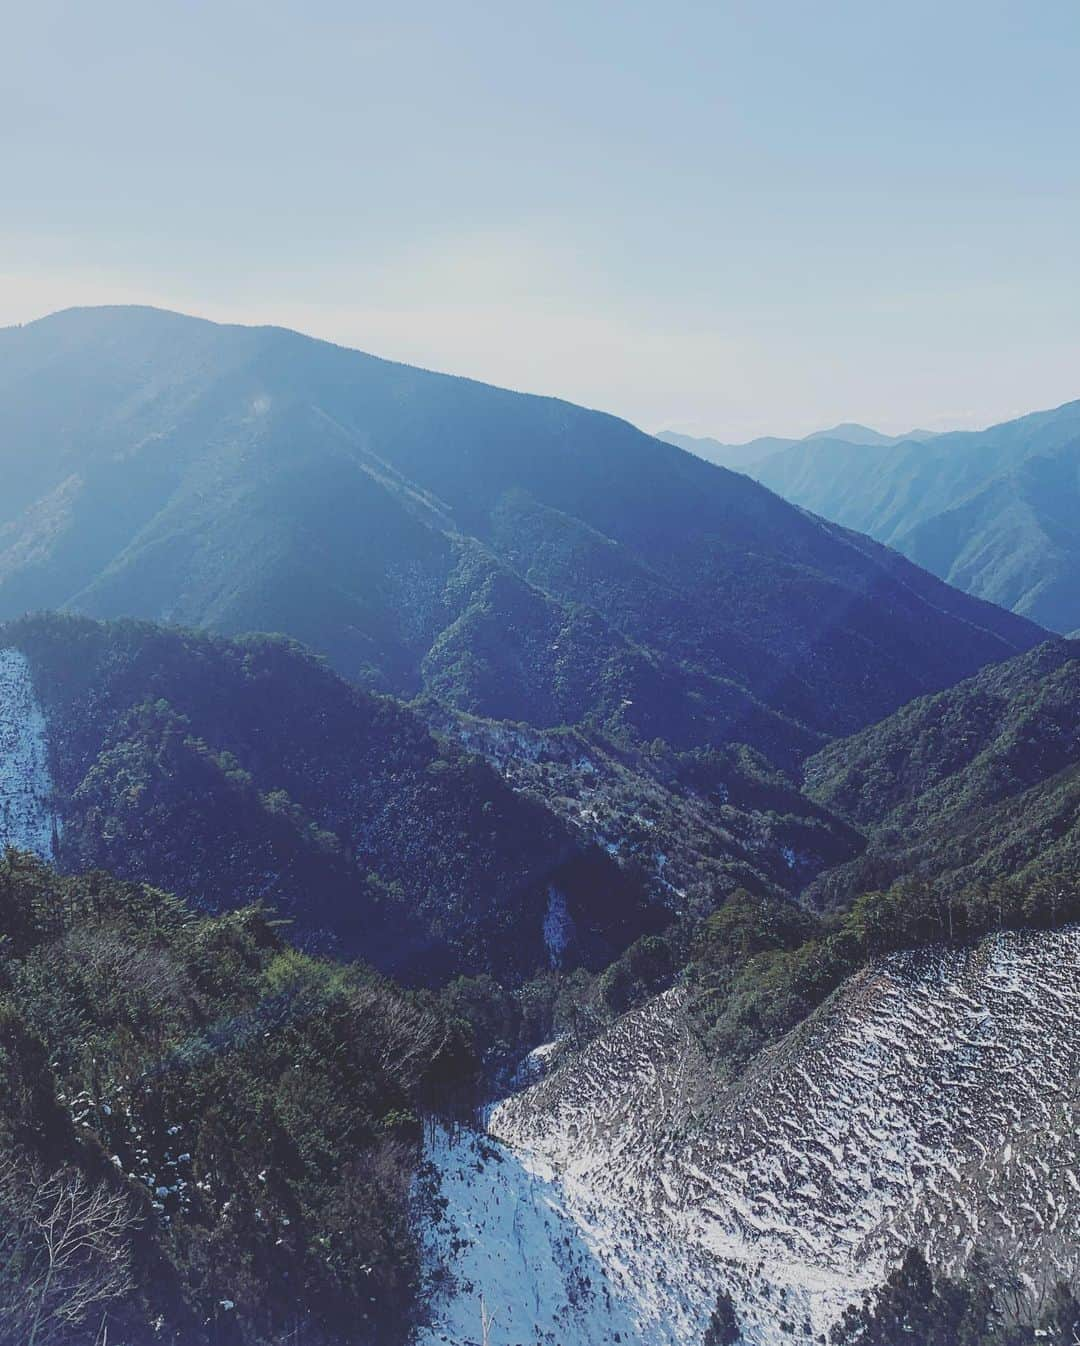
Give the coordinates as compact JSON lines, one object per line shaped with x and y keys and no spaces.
{"x":727,"y":218}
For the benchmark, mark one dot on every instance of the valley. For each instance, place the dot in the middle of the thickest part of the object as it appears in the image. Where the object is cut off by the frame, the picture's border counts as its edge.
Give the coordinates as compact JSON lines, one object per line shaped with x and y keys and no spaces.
{"x":599,"y":889}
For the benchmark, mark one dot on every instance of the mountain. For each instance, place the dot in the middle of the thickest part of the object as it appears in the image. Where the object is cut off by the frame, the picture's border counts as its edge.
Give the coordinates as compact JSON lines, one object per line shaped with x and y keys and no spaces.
{"x":991,"y":511}
{"x":738,"y":457}
{"x":978,"y":782}
{"x":741,"y":457}
{"x":923,"y":1107}
{"x":247,"y":772}
{"x":517,"y":557}
{"x":850,"y":432}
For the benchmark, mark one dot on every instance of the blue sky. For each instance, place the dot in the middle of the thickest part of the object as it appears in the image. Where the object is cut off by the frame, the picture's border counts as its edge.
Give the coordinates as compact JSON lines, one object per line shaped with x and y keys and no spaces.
{"x":729,"y":218}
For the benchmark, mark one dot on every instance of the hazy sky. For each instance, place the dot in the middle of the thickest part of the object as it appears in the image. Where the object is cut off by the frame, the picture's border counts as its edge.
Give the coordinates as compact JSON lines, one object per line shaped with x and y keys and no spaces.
{"x":727,"y":218}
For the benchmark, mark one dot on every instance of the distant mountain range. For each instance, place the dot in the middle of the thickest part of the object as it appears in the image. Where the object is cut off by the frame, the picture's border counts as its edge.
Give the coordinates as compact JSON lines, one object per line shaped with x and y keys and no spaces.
{"x":992,"y":511}
{"x":740,"y":457}
{"x":515,"y":556}
{"x":727,"y":857}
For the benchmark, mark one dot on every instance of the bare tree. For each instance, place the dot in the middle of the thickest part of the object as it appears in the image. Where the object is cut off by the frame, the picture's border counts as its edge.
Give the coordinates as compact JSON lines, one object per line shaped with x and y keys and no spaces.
{"x":487,"y":1322}
{"x":63,"y":1250}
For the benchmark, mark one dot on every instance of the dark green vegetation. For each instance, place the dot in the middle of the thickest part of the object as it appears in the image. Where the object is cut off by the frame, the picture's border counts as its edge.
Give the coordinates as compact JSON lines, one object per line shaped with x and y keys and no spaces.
{"x":517,"y":557}
{"x":970,"y":804}
{"x":693,"y":826}
{"x":977,"y":782}
{"x":759,"y":967}
{"x":235,"y":1124}
{"x":235,"y":772}
{"x":993,"y":512}
{"x":981,"y":1310}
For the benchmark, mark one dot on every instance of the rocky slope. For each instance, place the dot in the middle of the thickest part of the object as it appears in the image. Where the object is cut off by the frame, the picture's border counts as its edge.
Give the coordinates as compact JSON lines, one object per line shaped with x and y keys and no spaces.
{"x":932,"y":1102}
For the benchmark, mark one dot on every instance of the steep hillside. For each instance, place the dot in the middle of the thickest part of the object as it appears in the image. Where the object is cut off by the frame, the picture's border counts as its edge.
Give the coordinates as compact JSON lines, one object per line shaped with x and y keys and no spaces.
{"x":697,"y":825}
{"x":238,"y":772}
{"x":516,"y":556}
{"x":977,"y":782}
{"x":932,"y":1103}
{"x":215,"y":1135}
{"x":992,"y":512}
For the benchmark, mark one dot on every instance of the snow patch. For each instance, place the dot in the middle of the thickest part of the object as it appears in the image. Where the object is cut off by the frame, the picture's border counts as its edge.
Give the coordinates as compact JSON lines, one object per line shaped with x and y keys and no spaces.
{"x":933,"y":1099}
{"x":554,"y":1267}
{"x":536,"y":1064}
{"x":28,"y":820}
{"x":558,"y":927}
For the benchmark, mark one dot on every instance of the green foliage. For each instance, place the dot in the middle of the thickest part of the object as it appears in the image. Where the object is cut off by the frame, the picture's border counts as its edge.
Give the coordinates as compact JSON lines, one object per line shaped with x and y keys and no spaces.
{"x":759,"y":967}
{"x":979,"y":782}
{"x":647,"y":967}
{"x":257,"y":1108}
{"x":244,"y":771}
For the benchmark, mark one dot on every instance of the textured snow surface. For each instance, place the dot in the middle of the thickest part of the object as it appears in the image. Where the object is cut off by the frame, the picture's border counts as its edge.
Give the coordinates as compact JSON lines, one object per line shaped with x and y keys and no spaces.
{"x":555,"y":1266}
{"x":934,"y":1101}
{"x":27,"y":819}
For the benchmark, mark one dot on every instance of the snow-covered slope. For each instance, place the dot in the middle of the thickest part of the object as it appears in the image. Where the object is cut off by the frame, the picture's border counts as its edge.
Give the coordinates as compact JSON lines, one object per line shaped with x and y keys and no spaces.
{"x":554,"y":1267}
{"x":934,"y":1101}
{"x":27,"y":818}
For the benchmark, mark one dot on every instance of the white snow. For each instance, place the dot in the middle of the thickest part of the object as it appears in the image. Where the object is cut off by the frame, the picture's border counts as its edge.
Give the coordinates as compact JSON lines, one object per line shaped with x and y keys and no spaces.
{"x":27,"y":817}
{"x":934,"y":1101}
{"x":554,"y":1268}
{"x":536,"y":1064}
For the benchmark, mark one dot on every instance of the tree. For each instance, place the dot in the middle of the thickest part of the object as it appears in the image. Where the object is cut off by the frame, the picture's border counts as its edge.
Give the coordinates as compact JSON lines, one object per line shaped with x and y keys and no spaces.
{"x":723,"y":1328}
{"x":63,"y":1250}
{"x":1062,"y":1323}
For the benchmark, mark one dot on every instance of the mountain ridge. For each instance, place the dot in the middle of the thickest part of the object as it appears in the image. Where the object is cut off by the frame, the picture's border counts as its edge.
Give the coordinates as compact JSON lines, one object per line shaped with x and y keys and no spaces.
{"x":240,"y":772}
{"x":516,"y":555}
{"x":987,"y":510}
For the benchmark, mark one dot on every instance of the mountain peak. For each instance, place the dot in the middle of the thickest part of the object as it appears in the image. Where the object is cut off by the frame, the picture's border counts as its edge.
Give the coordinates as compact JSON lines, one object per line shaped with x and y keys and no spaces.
{"x":510,"y":554}
{"x":850,"y":432}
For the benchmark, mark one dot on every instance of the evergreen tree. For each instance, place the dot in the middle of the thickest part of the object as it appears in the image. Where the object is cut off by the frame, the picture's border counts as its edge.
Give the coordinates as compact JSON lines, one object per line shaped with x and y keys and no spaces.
{"x":723,"y":1328}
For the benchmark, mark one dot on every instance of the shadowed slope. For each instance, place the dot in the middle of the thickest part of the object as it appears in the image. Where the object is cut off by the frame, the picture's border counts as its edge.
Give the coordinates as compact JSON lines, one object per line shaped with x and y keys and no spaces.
{"x":518,"y":555}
